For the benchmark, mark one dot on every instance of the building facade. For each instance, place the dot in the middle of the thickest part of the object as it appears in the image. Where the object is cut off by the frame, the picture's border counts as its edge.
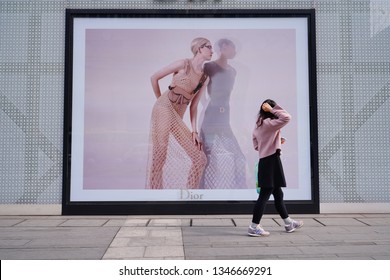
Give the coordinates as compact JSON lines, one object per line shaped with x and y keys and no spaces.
{"x":353,"y":96}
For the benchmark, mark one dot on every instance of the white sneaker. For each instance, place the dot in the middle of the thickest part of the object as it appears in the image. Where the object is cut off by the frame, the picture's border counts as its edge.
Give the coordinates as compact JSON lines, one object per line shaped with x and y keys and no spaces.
{"x":258,"y":231}
{"x":293,"y":226}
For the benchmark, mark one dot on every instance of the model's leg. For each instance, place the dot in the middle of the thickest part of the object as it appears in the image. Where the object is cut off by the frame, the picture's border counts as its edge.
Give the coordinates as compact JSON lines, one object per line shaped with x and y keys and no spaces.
{"x":240,"y":169}
{"x":236,"y":179}
{"x":208,"y":180}
{"x":198,"y":158}
{"x":159,"y":140}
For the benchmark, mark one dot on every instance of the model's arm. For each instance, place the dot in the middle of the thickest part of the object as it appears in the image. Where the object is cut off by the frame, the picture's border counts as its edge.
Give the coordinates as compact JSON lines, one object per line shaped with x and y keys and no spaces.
{"x":194,"y":113}
{"x":204,"y":100}
{"x":172,"y":68}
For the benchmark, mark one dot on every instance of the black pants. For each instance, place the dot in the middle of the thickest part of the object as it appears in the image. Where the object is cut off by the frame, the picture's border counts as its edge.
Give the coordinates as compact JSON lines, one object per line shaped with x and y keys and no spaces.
{"x":264,"y":196}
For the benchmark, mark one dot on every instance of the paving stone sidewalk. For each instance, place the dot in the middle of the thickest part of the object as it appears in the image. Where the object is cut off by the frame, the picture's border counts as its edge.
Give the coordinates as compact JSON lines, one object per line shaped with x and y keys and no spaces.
{"x":333,"y":236}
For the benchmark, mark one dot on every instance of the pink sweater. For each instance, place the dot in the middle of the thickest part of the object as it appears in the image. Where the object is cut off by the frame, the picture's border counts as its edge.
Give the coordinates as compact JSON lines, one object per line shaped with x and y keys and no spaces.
{"x":266,"y":137}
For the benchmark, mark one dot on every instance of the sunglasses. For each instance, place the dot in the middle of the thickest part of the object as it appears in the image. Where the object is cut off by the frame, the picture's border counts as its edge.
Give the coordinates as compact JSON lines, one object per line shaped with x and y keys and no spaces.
{"x":207,"y":46}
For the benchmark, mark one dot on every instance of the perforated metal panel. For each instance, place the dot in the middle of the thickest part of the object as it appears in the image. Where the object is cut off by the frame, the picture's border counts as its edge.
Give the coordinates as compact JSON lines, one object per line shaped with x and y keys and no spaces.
{"x":353,"y":75}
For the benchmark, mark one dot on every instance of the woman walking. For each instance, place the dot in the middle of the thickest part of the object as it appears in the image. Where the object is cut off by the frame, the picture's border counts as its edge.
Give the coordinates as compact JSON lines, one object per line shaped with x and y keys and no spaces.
{"x":267,"y":141}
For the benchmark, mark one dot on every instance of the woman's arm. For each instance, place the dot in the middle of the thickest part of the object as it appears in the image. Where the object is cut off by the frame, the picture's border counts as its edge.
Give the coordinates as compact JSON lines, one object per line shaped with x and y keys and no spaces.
{"x":205,"y":98}
{"x":172,"y":68}
{"x":194,"y":113}
{"x":283,"y":117}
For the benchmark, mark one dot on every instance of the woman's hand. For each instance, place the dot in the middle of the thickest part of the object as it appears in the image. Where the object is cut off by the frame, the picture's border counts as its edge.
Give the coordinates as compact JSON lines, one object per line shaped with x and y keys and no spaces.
{"x":196,"y":140}
{"x":266,"y":107}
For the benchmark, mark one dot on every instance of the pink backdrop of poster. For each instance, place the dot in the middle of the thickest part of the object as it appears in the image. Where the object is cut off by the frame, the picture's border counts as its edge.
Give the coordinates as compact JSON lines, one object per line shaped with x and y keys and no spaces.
{"x":119,"y":97}
{"x":113,"y":100}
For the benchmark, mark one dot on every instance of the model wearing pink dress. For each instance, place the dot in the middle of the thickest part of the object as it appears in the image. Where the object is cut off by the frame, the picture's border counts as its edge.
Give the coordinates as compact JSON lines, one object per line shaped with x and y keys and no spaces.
{"x":175,"y":162}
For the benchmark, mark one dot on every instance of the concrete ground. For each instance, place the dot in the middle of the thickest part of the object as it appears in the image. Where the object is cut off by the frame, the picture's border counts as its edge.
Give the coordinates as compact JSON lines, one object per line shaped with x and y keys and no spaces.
{"x":330,"y":237}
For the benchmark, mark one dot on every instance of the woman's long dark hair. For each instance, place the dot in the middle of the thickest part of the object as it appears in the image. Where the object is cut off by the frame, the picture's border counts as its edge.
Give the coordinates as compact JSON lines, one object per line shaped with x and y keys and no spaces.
{"x":263,"y":114}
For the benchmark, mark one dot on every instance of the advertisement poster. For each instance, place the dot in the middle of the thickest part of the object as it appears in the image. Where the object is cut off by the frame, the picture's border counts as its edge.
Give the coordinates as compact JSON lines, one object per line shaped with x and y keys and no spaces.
{"x":113,"y":60}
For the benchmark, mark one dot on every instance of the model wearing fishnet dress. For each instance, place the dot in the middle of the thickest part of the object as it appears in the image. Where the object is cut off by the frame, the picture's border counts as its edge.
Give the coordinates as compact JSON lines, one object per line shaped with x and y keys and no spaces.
{"x":176,"y":159}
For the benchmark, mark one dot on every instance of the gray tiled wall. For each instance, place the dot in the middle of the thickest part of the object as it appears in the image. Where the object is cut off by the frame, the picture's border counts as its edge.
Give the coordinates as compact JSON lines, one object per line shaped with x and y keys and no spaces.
{"x":353,"y":73}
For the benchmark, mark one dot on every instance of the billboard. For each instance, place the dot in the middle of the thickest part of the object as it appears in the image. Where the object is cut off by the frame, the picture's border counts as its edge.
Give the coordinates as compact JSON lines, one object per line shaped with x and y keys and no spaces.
{"x":123,"y":153}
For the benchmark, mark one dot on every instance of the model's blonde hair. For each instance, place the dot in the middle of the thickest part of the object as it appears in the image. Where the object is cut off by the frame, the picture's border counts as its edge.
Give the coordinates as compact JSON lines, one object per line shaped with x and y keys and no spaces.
{"x":197,"y":43}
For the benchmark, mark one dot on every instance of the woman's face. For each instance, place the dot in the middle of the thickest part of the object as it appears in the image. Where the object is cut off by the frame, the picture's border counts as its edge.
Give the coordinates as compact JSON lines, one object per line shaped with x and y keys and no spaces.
{"x":207,"y":51}
{"x":228,"y":51}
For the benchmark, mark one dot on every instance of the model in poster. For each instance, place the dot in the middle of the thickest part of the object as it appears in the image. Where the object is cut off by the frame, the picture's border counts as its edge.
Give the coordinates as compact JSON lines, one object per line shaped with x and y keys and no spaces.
{"x":267,"y":141}
{"x":176,"y":157}
{"x":226,"y":163}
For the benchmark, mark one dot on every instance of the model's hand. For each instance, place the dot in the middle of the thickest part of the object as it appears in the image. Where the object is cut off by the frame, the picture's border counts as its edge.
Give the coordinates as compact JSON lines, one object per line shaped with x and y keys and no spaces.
{"x":196,"y":140}
{"x":283,"y":140}
{"x":266,"y":107}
